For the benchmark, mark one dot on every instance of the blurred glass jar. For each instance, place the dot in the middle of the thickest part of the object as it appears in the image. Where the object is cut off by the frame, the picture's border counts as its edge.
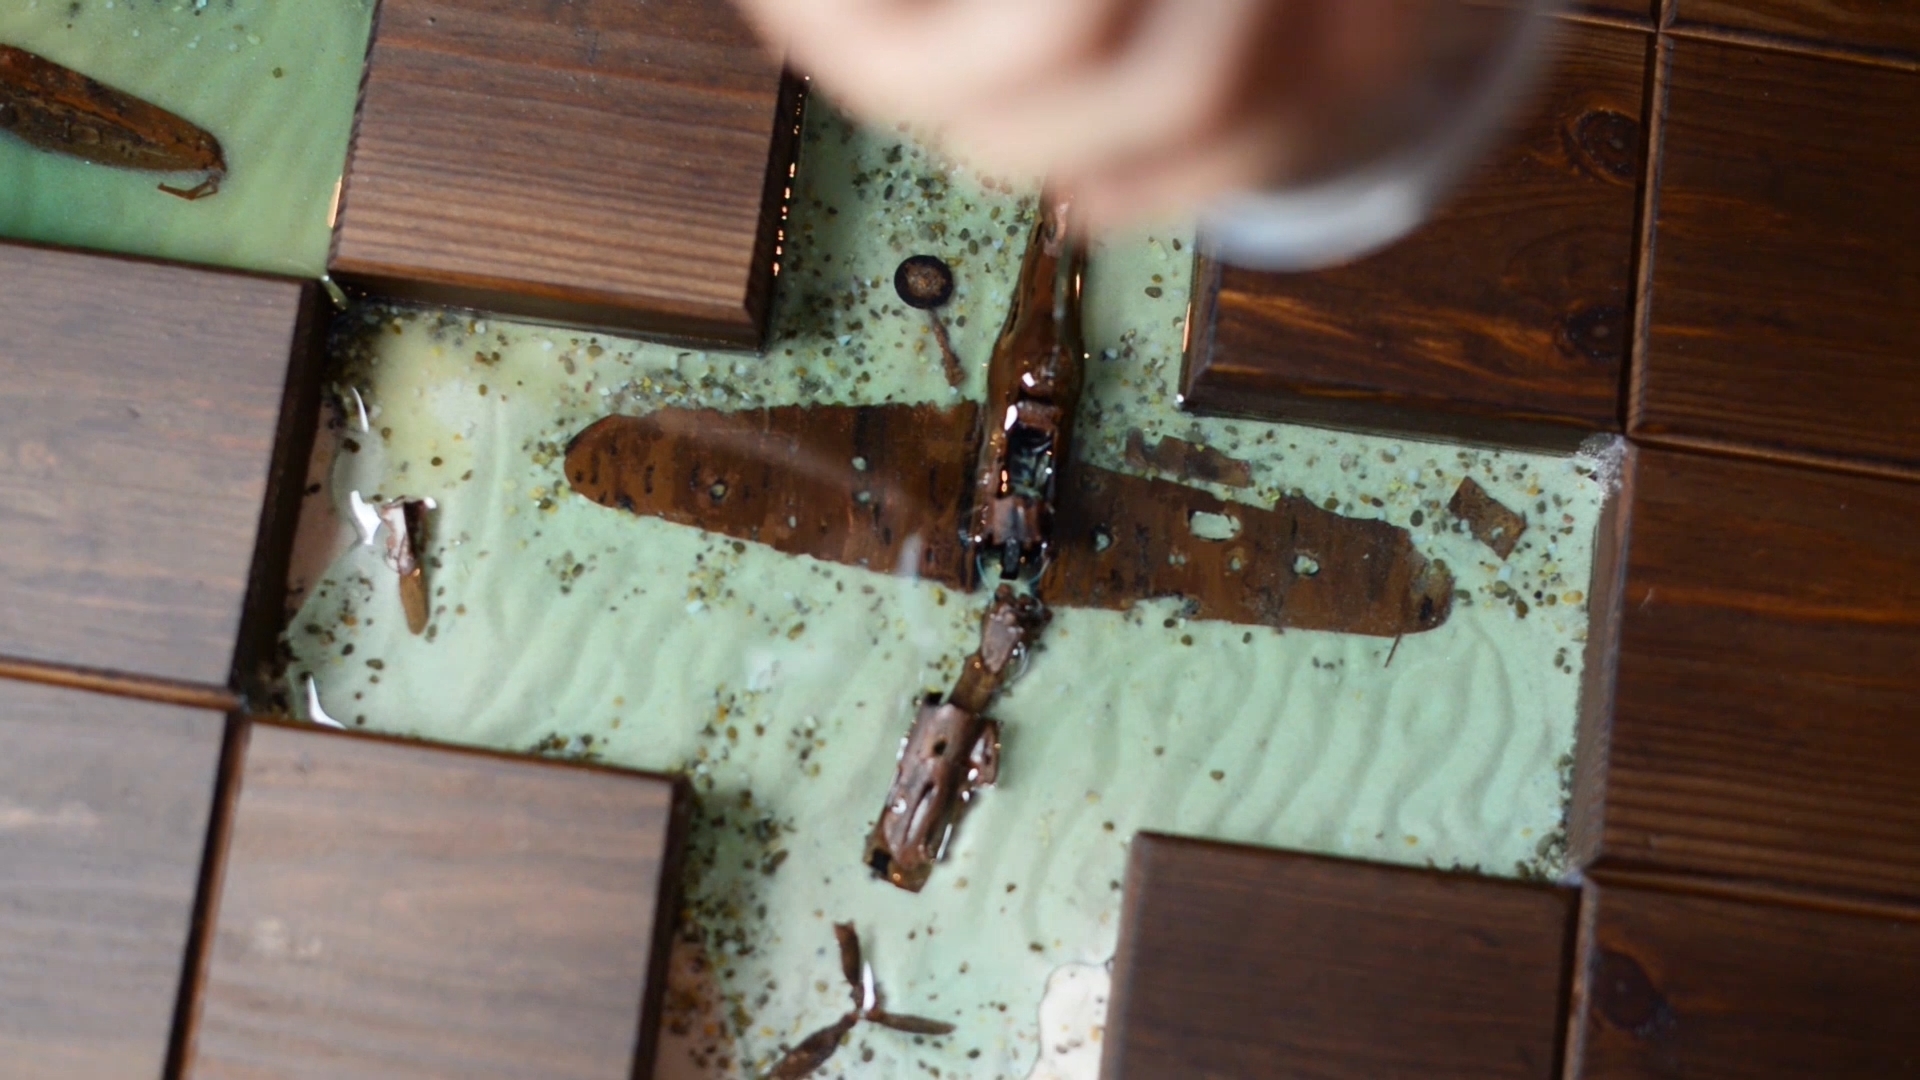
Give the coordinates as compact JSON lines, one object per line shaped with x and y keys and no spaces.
{"x":1380,"y":154}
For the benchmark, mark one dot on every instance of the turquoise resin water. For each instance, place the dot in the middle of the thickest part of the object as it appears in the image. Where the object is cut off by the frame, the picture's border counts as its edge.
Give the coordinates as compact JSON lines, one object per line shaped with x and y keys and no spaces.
{"x":274,"y":80}
{"x":781,"y":685}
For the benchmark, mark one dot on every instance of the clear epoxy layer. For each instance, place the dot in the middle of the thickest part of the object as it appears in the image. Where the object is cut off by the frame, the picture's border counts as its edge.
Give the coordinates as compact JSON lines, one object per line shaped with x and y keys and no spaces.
{"x":274,"y":80}
{"x":782,"y":685}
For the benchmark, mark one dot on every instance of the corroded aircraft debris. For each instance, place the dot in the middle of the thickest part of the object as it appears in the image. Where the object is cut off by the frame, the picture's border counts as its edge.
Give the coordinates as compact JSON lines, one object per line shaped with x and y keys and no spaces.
{"x":790,"y":478}
{"x":871,"y":486}
{"x":58,"y":109}
{"x":1124,"y":539}
{"x":1187,"y":461}
{"x":406,"y":522}
{"x":926,"y":282}
{"x":852,"y":484}
{"x":1487,"y":518}
{"x":815,"y":1050}
{"x":1033,"y":392}
{"x":953,"y":750}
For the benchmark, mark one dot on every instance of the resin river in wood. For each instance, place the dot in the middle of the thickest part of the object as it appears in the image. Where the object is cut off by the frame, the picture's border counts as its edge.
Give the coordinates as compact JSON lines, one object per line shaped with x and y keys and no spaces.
{"x":775,"y":640}
{"x":274,"y":81}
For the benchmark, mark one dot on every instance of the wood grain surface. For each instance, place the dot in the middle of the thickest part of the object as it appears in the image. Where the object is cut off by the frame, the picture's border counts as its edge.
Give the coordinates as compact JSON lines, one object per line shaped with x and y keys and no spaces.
{"x":1767,"y":704}
{"x":1717,"y":988}
{"x":1505,"y":319}
{"x":598,"y":162}
{"x":398,"y":910}
{"x":1243,"y":962}
{"x":1785,"y":280}
{"x":1888,"y":27}
{"x":147,"y":415}
{"x":104,"y":805}
{"x":1640,"y":11}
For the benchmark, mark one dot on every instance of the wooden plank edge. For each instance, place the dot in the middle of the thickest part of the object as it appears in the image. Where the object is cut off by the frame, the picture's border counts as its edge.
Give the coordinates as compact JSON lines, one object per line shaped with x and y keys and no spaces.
{"x":1209,"y":388}
{"x":1756,"y":891}
{"x":1785,"y":43}
{"x":570,"y":308}
{"x":206,"y":916}
{"x":776,"y":202}
{"x":1774,"y":455}
{"x":665,"y":927}
{"x":1573,"y":1041}
{"x":206,"y":907}
{"x":1708,"y":446}
{"x":1646,"y":228}
{"x":1593,"y":732}
{"x":98,"y":681}
{"x":1147,"y":845}
{"x":263,"y":613}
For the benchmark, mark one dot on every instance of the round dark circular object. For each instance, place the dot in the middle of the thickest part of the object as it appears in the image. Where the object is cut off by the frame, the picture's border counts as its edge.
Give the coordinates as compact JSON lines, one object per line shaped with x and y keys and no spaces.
{"x":924,"y":281}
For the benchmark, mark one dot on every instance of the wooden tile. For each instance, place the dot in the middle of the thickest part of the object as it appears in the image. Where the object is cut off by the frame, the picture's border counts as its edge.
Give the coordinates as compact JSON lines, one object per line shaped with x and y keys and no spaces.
{"x":1640,"y":11}
{"x":1503,"y":320}
{"x":1872,"y":25}
{"x":600,"y":162}
{"x":104,"y":804}
{"x":1784,"y":277}
{"x":1714,"y":988}
{"x":1246,"y":962}
{"x":399,"y":910}
{"x":147,"y":413}
{"x":1766,"y":719}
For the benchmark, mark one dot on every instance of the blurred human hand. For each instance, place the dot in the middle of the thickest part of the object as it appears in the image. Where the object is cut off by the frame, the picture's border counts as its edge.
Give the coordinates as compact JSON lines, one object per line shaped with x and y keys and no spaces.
{"x":1141,"y":108}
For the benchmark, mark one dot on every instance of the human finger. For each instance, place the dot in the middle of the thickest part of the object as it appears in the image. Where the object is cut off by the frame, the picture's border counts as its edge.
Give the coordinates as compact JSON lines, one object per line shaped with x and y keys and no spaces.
{"x":1177,"y":76}
{"x":920,"y":61}
{"x":1172,"y":183}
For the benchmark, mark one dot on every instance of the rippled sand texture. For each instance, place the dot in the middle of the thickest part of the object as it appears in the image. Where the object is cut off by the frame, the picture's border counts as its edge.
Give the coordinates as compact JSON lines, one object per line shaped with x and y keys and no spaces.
{"x":783,"y":685}
{"x":274,"y":80}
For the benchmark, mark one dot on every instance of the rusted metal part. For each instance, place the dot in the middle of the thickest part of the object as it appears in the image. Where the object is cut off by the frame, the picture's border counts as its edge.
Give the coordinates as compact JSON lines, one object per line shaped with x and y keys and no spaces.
{"x":850,"y":961}
{"x":788,"y":480}
{"x":1123,"y":539}
{"x":816,"y":1049}
{"x":406,"y":522}
{"x":813,"y":1051}
{"x":1187,"y":461}
{"x":1490,"y":521}
{"x":926,"y":282}
{"x":60,"y":110}
{"x":952,"y":750}
{"x":1033,"y":390}
{"x":875,"y":486}
{"x":1009,"y":628}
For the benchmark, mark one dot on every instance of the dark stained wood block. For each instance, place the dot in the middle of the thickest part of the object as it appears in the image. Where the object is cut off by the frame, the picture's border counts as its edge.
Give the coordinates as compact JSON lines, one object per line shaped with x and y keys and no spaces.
{"x":1640,"y":11}
{"x":1503,"y":320}
{"x":1244,"y":962}
{"x":399,"y":910}
{"x":1766,"y":707}
{"x":1716,"y":988}
{"x":600,"y":162}
{"x":1785,"y":280}
{"x":1877,"y":26}
{"x":104,"y":806}
{"x":148,"y":416}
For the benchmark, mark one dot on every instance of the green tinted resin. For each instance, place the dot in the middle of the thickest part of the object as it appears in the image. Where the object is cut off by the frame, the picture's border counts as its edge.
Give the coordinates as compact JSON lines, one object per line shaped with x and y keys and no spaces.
{"x":274,"y":80}
{"x":782,"y":686}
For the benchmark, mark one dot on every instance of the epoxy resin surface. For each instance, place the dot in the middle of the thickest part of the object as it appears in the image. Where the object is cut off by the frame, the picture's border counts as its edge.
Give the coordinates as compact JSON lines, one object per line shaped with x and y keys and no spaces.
{"x":274,"y":80}
{"x":782,"y":685}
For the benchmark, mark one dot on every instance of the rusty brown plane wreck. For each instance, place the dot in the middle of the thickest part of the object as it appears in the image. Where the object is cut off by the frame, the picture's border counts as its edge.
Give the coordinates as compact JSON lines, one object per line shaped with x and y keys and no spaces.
{"x":958,"y":494}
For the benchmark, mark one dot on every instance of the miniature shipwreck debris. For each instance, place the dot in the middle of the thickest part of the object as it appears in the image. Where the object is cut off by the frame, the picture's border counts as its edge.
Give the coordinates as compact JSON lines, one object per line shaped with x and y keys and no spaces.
{"x":1033,"y":390}
{"x":815,"y":1049}
{"x":60,"y":110}
{"x":406,"y":522}
{"x":1491,"y":521}
{"x":953,"y":749}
